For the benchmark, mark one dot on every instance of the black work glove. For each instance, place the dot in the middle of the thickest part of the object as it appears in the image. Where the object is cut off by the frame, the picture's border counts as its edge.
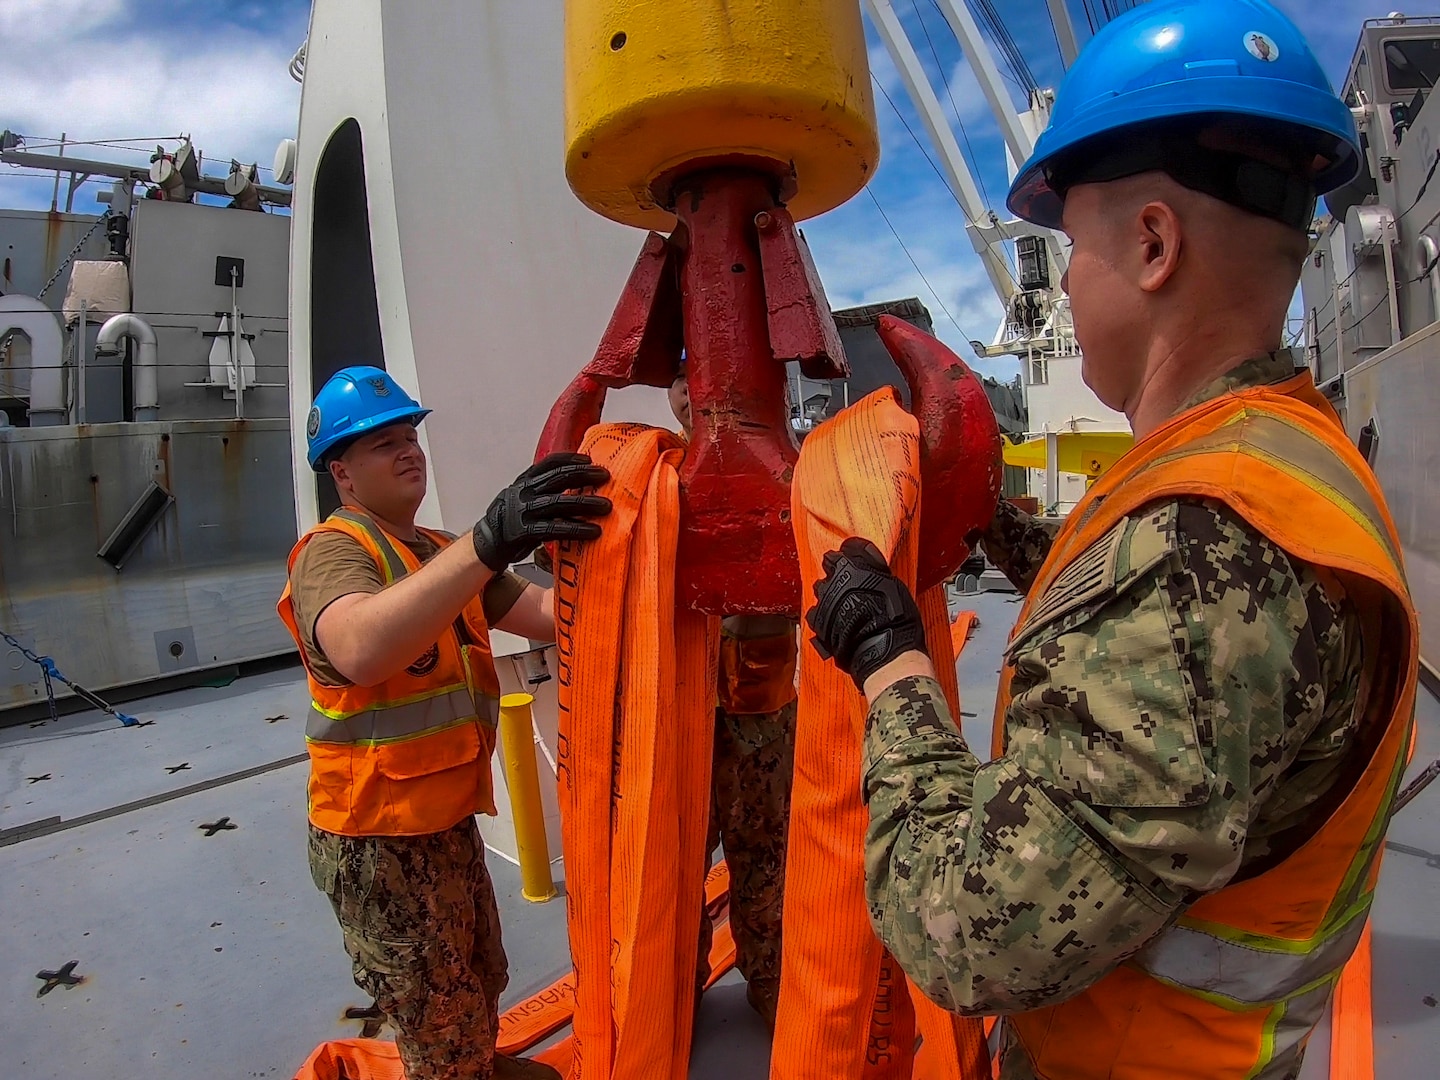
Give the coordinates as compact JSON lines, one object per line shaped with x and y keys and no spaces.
{"x":864,"y":616}
{"x":535,"y":509}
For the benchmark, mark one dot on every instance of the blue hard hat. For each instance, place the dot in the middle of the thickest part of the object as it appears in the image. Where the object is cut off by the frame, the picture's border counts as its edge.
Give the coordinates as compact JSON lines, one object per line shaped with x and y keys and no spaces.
{"x":1178,"y":62}
{"x":354,"y":401}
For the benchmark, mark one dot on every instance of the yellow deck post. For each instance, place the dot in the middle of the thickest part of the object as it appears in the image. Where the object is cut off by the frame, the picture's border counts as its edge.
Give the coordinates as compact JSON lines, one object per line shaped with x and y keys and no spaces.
{"x":523,"y":780}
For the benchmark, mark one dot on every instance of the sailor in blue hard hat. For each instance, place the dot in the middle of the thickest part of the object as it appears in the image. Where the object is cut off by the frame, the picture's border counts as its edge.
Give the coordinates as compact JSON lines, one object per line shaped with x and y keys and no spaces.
{"x":1149,"y":877}
{"x":392,"y":621}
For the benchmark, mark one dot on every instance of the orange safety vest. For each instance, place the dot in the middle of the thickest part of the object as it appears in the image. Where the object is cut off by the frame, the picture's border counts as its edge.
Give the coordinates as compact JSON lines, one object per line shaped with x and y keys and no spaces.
{"x":410,"y":755}
{"x":1235,"y":986}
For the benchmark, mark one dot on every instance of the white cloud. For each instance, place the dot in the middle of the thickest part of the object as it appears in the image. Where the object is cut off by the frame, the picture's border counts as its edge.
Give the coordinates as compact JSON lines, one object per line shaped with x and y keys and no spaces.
{"x":27,"y":23}
{"x":95,"y":69}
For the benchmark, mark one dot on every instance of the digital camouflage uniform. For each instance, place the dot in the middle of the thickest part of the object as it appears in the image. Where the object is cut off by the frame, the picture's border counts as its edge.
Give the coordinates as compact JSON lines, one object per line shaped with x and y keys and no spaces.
{"x":420,"y":924}
{"x":749,"y":818}
{"x":1224,"y":670}
{"x":417,"y":913}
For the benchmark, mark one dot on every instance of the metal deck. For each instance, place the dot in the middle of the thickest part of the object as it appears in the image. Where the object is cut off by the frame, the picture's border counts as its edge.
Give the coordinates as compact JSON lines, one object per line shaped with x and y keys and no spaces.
{"x":214,"y":956}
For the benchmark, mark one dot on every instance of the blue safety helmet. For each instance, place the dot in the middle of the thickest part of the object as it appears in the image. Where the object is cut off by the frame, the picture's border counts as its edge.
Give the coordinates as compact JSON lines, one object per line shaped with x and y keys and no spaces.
{"x":1139,"y":93}
{"x":354,"y":401}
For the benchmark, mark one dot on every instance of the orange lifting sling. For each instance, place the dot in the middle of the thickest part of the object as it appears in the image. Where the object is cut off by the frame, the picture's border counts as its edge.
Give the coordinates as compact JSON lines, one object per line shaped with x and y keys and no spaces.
{"x":636,"y":695}
{"x":845,"y":1009}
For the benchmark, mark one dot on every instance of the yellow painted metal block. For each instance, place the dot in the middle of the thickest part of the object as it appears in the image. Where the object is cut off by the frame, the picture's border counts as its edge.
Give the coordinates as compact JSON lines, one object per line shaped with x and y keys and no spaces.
{"x":654,"y":86}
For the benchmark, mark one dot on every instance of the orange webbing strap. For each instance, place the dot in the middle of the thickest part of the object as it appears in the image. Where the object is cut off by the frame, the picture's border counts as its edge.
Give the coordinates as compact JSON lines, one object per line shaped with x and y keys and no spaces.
{"x":1352,"y":1034}
{"x":960,"y":631}
{"x":545,"y":1012}
{"x":636,"y":697}
{"x":353,"y":1059}
{"x":844,"y":1009}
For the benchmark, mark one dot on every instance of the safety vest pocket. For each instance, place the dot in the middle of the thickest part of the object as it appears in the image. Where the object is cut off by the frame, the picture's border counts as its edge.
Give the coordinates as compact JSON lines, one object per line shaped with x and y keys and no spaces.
{"x":435,"y":752}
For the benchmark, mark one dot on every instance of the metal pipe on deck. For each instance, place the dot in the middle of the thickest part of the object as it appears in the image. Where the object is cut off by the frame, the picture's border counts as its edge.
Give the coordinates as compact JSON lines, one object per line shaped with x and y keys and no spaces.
{"x":146,"y":370}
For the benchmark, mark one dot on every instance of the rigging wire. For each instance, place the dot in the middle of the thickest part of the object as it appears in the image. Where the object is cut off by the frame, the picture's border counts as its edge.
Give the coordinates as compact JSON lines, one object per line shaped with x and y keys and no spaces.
{"x":1384,"y":298}
{"x":916,"y":265}
{"x":1015,"y":59}
{"x":920,"y":145}
{"x":1004,"y":262}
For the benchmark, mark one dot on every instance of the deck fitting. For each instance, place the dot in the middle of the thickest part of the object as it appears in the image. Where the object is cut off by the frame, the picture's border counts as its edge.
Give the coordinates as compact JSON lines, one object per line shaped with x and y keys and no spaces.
{"x":64,"y":977}
{"x":372,"y":1016}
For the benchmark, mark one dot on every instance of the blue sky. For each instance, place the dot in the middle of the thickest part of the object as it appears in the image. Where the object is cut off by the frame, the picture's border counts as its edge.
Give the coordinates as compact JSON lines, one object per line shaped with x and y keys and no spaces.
{"x":216,"y":69}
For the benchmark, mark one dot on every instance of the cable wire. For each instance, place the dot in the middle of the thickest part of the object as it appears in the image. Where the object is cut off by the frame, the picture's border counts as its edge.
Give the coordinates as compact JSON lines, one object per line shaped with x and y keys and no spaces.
{"x":920,"y":145}
{"x":916,"y":265}
{"x":1003,"y":262}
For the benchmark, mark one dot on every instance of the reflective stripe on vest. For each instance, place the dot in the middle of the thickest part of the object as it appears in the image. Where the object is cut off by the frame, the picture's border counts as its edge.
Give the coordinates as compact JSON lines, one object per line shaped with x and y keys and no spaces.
{"x":1253,"y":971}
{"x":392,"y":565}
{"x":1273,"y":439}
{"x":376,"y":726}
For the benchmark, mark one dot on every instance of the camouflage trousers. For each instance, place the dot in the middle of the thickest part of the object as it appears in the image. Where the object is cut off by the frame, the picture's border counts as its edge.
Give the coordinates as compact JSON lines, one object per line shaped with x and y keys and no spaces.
{"x":749,"y":818}
{"x":421,"y":926}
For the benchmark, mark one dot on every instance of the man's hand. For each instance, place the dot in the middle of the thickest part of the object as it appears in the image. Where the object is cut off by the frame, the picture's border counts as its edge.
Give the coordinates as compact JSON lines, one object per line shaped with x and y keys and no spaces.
{"x":864,"y":617}
{"x":535,"y":509}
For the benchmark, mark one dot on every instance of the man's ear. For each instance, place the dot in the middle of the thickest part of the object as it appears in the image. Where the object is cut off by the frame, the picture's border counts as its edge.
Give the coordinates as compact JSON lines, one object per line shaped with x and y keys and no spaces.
{"x":1161,"y":241}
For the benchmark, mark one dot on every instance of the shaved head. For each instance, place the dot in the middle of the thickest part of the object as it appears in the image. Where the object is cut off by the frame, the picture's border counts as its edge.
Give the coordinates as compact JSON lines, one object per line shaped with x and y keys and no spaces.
{"x":1162,"y":275}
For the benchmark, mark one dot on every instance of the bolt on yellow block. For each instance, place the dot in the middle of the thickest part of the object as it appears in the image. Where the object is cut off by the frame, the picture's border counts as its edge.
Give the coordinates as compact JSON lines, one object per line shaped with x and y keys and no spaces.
{"x":654,"y":86}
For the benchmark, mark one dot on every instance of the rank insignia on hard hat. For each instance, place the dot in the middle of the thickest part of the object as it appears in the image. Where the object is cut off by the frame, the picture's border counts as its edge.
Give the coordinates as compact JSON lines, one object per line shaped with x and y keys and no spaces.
{"x":380,"y":386}
{"x":1262,"y":47}
{"x":312,"y":425}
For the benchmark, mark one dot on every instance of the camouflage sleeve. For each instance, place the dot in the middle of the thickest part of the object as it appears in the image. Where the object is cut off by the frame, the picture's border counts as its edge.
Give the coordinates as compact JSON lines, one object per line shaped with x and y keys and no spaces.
{"x":1017,"y":543}
{"x":1161,"y":693}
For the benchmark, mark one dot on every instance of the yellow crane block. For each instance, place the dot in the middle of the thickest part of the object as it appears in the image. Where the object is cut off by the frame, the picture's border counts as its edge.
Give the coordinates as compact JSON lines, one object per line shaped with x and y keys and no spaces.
{"x":1088,"y":453}
{"x":655,"y":88}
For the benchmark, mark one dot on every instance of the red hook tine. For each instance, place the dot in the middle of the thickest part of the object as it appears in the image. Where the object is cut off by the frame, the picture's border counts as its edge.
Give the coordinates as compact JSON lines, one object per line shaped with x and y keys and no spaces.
{"x":575,"y":412}
{"x":960,"y":468}
{"x":641,"y":345}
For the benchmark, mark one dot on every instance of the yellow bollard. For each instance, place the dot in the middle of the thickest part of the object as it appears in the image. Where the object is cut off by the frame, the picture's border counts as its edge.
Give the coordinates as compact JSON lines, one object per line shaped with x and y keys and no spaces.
{"x":522,"y":778}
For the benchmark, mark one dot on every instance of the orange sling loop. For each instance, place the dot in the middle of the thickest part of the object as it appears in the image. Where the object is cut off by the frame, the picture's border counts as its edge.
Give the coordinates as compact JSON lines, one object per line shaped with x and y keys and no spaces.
{"x":636,"y":703}
{"x":960,"y":631}
{"x":546,"y":1011}
{"x":845,"y":1009}
{"x":1352,"y":1033}
{"x":353,"y":1059}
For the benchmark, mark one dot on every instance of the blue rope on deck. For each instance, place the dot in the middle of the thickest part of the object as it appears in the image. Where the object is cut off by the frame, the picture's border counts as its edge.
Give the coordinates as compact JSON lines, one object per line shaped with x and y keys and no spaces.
{"x":52,"y":675}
